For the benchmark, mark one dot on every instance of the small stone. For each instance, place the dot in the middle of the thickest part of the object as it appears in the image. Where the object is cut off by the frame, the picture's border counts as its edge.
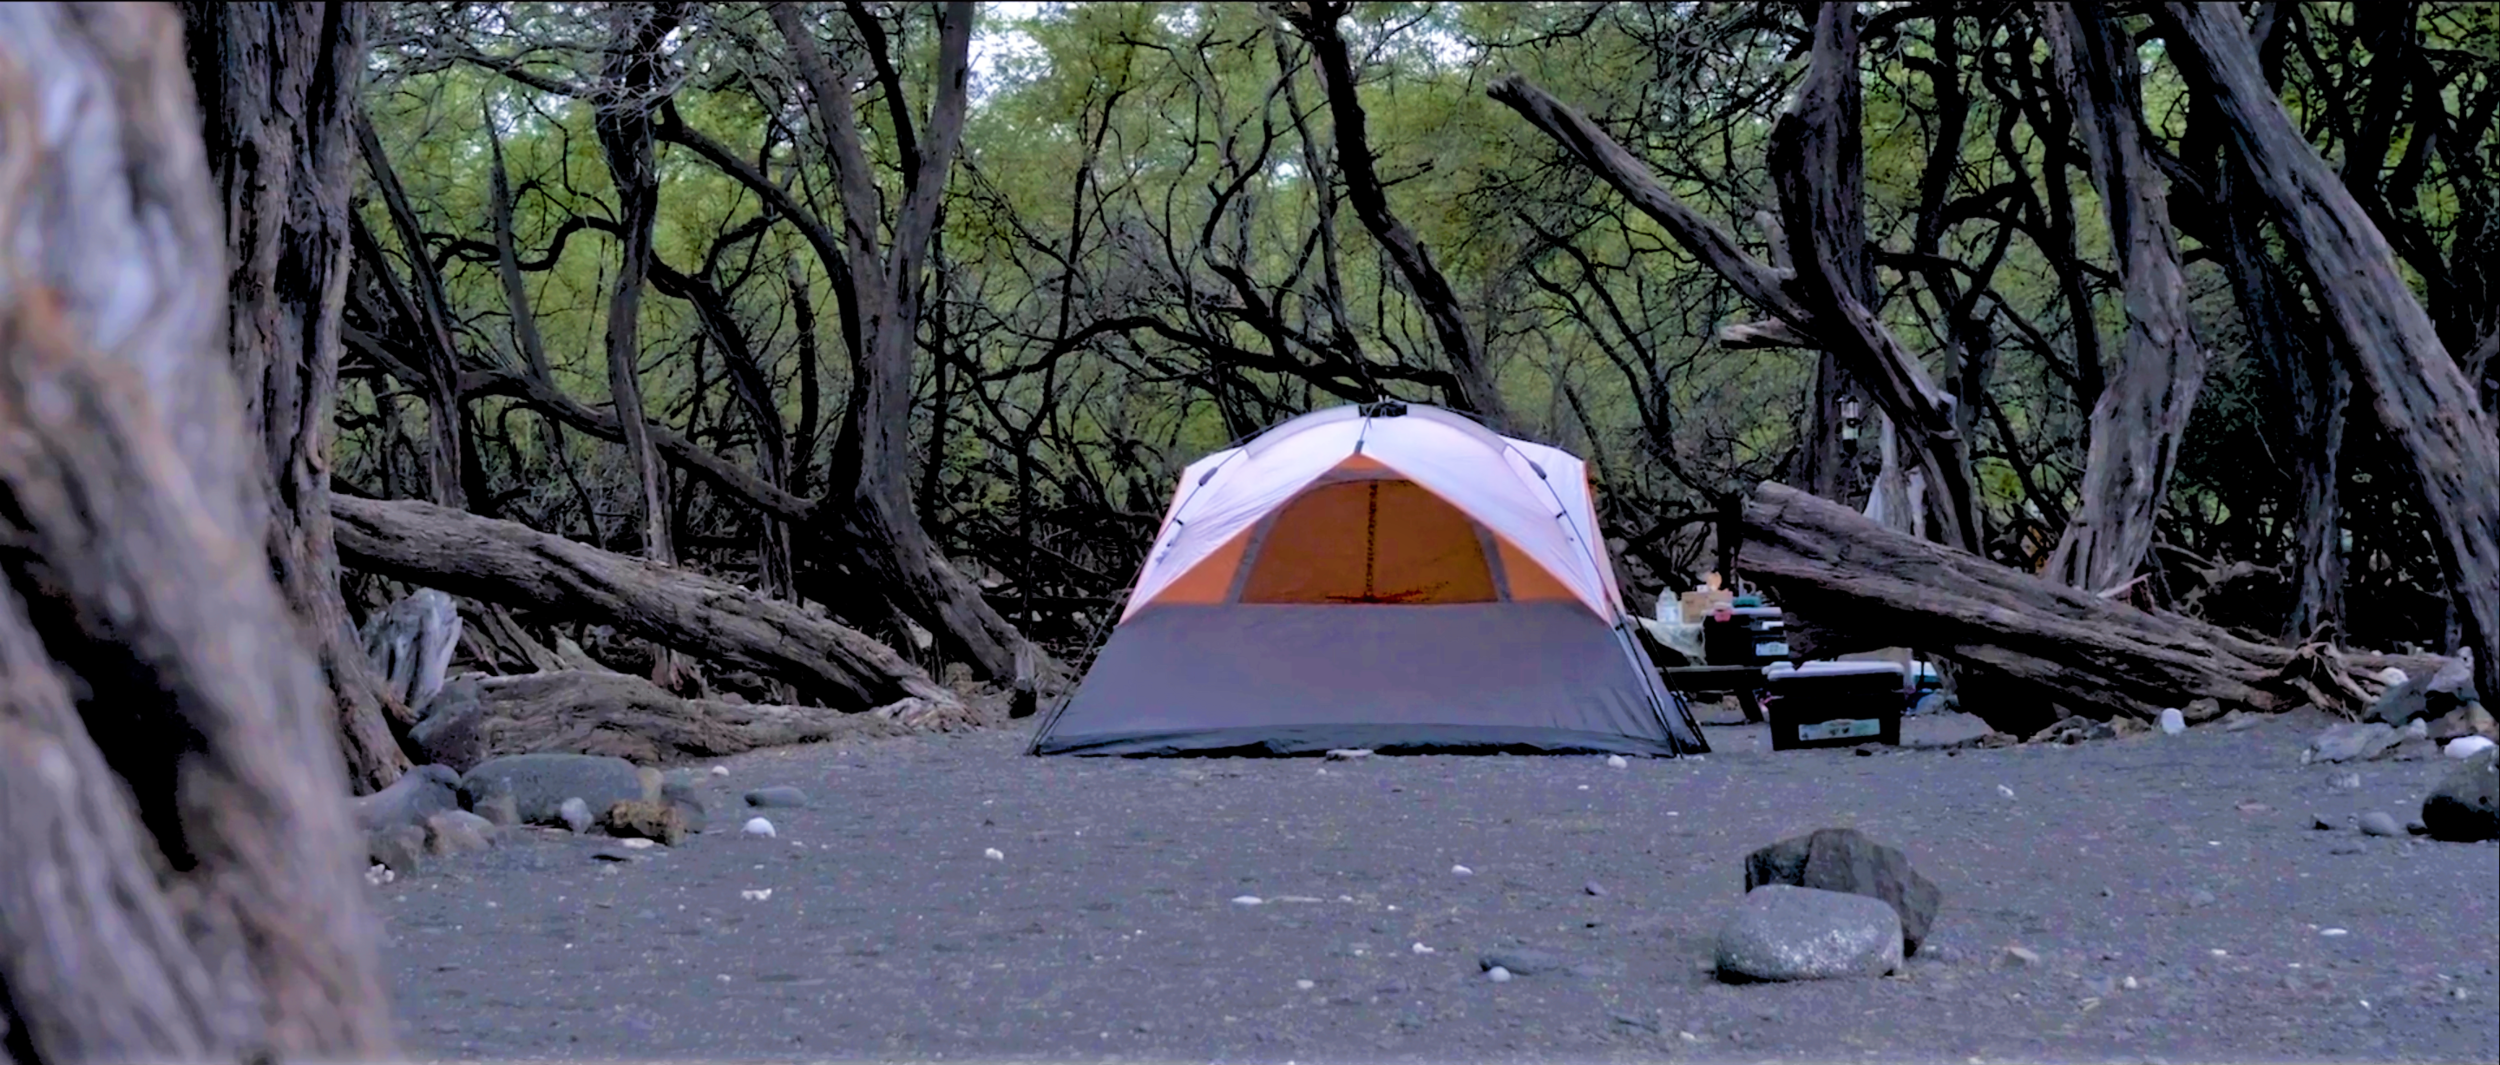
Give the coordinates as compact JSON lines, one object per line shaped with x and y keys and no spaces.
{"x":781,"y":795}
{"x":1349,"y":754}
{"x":720,"y":770}
{"x":1240,"y":900}
{"x":501,"y":811}
{"x":758,"y":827}
{"x":2005,"y":791}
{"x":2200,"y":898}
{"x":994,"y":854}
{"x":1521,"y":962}
{"x":636,"y":844}
{"x":576,"y":815}
{"x":2377,"y":823}
{"x":2464,"y":747}
{"x":2418,"y":729}
{"x":661,"y":821}
{"x":1461,"y":871}
{"x":1594,"y":889}
{"x":2330,"y":932}
{"x":2129,"y":984}
{"x":1422,"y":949}
{"x":2020,"y":956}
{"x":756,"y":894}
{"x":457,"y":832}
{"x":1497,"y":974}
{"x":2320,"y":824}
{"x":2173,"y":722}
{"x":1781,"y":932}
{"x":1616,"y":761}
{"x":399,"y":847}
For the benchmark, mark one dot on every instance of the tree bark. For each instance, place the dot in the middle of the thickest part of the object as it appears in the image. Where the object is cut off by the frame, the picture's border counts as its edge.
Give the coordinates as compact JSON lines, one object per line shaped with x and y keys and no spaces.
{"x":181,"y":881}
{"x":620,"y":716}
{"x":276,"y":85}
{"x":1853,"y":585}
{"x":623,"y":122}
{"x":515,"y":565}
{"x":1473,"y":388}
{"x":428,"y":314}
{"x":2420,"y":395}
{"x":2143,"y":411}
{"x":880,"y":529}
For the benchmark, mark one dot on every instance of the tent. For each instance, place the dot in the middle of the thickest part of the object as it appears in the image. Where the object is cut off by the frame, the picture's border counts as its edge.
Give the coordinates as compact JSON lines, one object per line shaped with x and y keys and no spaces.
{"x":1385,"y":576}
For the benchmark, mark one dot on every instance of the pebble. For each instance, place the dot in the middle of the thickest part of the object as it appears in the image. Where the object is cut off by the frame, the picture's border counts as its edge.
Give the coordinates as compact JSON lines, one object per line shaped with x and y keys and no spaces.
{"x":576,"y":815}
{"x":2333,"y":932}
{"x":1247,"y":900}
{"x":636,"y":844}
{"x":2200,"y":897}
{"x":2377,"y":823}
{"x":756,"y":895}
{"x":2319,"y":823}
{"x":2467,"y":746}
{"x":1594,"y":889}
{"x":1616,"y":761}
{"x":2173,"y":722}
{"x":1304,"y":985}
{"x":1422,"y":949}
{"x":1497,"y":974}
{"x":778,"y":795}
{"x":994,"y":854}
{"x":720,"y":770}
{"x":1349,"y":754}
{"x":2348,"y":781}
{"x":2022,"y":956}
{"x":758,"y":827}
{"x":2418,"y":729}
{"x":1460,"y":870}
{"x":2129,"y":983}
{"x":2006,"y":791}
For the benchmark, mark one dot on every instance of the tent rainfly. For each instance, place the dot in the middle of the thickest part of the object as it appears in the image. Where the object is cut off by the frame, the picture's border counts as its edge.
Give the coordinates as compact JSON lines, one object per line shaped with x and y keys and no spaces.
{"x":1385,"y":576}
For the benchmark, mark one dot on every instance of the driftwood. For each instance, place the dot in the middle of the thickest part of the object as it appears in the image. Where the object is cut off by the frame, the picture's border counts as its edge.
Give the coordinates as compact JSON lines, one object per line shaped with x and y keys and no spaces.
{"x":1855,"y":585}
{"x":506,"y":562}
{"x":411,"y":643}
{"x":479,"y":717}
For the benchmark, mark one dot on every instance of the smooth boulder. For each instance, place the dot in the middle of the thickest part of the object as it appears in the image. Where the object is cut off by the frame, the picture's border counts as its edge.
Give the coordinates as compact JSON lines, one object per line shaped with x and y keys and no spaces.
{"x":418,"y":794}
{"x":1791,"y":933}
{"x":397,"y":847}
{"x":2353,"y":742}
{"x":457,"y":832}
{"x":1845,"y":860}
{"x":2465,"y":807}
{"x":452,"y":729}
{"x":2426,"y":697}
{"x":538,"y":784}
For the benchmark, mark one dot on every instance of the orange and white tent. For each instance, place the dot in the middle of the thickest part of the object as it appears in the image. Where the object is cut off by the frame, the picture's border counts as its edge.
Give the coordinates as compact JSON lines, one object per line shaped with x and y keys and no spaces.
{"x":1386,"y":576}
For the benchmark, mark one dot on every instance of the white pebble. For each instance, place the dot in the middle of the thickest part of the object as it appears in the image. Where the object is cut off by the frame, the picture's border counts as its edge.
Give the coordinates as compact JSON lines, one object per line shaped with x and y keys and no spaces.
{"x":2333,"y":932}
{"x":2008,"y":792}
{"x":2418,"y":729}
{"x":2128,"y":983}
{"x":2173,"y":722}
{"x":759,"y":828}
{"x":1616,"y":761}
{"x":994,"y":854}
{"x":2467,"y":746}
{"x":635,"y":844}
{"x":1497,"y":974}
{"x":1304,"y":985}
{"x":1460,"y":870}
{"x":720,"y":770}
{"x":1584,"y":787}
{"x":757,"y":895}
{"x":1422,"y":949}
{"x":1247,"y":900}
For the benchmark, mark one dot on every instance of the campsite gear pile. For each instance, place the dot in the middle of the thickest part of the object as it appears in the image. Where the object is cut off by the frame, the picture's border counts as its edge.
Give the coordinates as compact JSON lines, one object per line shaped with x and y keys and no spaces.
{"x":1388,"y":577}
{"x":1835,"y":704}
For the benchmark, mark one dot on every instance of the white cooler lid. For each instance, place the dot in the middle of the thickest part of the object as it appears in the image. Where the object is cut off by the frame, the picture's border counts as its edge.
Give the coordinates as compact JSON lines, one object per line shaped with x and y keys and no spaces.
{"x":1830,"y":669}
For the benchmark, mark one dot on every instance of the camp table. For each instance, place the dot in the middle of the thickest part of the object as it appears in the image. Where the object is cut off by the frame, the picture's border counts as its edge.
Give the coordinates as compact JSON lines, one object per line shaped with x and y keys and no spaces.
{"x":1744,"y":681}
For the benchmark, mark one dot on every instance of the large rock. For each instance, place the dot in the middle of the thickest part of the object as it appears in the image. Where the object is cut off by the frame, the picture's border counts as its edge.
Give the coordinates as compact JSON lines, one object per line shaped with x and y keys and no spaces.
{"x":2352,"y":742}
{"x":1845,"y":860}
{"x":453,"y":729}
{"x":2417,"y":697}
{"x":662,"y":821}
{"x":418,"y":794}
{"x":2466,"y":805}
{"x":398,"y":847}
{"x":689,"y":806}
{"x":539,"y":783}
{"x":457,"y":832}
{"x":1790,"y":933}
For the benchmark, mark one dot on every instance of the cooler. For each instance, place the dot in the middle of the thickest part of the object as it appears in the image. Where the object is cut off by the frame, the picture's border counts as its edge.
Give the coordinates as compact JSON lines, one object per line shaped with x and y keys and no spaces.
{"x":1835,"y":704}
{"x":1751,"y":636}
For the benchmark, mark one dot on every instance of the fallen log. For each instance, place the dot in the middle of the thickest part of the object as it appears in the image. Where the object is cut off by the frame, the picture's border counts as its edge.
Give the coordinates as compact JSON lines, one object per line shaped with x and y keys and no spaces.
{"x":477,"y":717}
{"x":515,"y":565}
{"x":1850,"y":584}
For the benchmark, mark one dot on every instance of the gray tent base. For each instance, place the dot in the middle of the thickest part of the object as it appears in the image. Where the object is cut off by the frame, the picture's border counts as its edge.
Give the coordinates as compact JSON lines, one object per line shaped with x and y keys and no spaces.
{"x":1288,"y":679}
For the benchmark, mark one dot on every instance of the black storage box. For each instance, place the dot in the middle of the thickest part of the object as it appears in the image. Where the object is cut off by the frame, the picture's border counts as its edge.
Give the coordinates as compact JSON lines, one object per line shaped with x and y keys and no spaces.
{"x":1751,"y":636}
{"x":1835,"y":704}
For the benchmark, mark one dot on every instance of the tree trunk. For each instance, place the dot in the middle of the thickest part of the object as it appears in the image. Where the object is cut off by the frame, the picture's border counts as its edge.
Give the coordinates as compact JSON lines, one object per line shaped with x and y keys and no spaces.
{"x":180,"y":878}
{"x":2420,"y":395}
{"x":879,"y":530}
{"x":623,"y":122}
{"x":277,"y":83}
{"x":427,"y":311}
{"x":515,"y":565}
{"x":1473,"y":388}
{"x":1850,"y":585}
{"x":2141,"y":412}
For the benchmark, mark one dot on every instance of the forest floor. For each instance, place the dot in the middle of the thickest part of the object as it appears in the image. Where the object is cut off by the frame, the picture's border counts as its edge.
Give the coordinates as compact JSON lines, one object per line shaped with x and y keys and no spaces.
{"x":1107,"y":930}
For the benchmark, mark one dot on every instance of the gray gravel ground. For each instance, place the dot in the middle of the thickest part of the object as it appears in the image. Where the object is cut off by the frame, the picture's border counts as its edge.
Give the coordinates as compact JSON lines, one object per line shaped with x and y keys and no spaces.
{"x":1106,"y":931}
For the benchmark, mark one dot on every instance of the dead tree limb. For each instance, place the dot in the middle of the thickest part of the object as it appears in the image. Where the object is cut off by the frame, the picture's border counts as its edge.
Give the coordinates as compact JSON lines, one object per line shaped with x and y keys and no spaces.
{"x":631,"y":718}
{"x":180,"y":879}
{"x":515,"y":565}
{"x":1858,"y":586}
{"x":2421,"y":396}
